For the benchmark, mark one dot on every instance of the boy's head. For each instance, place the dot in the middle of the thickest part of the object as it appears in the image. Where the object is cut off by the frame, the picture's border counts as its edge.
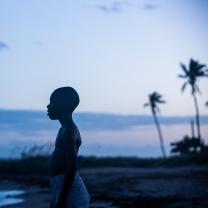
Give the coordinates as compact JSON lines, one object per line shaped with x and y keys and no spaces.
{"x":63,"y":101}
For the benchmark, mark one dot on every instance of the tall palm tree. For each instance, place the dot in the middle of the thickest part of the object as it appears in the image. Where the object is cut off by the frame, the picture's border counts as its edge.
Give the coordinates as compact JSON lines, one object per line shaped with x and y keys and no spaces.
{"x":194,"y":71}
{"x":154,"y":99}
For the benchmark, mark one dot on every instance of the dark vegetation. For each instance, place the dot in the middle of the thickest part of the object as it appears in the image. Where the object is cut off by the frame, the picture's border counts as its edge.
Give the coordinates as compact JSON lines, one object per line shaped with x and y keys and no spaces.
{"x":39,"y":164}
{"x":188,"y":145}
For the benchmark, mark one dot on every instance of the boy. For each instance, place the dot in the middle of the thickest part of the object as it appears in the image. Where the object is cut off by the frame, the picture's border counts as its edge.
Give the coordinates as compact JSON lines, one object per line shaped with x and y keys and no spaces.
{"x":68,"y":189}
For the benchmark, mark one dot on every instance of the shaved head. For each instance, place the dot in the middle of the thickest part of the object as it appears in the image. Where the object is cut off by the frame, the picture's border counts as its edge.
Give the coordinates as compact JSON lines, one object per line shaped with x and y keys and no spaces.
{"x":67,"y":97}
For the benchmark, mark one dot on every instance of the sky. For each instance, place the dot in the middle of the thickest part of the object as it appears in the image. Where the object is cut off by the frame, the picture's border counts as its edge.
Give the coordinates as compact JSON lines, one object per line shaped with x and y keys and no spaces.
{"x":114,"y":53}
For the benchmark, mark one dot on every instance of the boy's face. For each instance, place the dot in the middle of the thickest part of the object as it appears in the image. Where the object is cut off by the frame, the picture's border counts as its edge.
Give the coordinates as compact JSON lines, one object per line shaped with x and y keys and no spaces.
{"x":55,"y":108}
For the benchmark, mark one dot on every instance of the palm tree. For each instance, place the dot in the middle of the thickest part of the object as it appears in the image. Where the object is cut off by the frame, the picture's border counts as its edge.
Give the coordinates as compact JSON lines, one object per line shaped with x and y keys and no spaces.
{"x":154,"y":99}
{"x":194,"y":71}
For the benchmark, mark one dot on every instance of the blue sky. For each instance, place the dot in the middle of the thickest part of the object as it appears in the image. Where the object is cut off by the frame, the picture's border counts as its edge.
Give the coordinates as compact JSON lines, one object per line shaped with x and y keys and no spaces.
{"x":113,"y":52}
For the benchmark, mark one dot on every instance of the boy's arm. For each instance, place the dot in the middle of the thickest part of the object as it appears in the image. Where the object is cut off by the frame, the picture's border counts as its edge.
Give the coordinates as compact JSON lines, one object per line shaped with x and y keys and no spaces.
{"x":69,"y":145}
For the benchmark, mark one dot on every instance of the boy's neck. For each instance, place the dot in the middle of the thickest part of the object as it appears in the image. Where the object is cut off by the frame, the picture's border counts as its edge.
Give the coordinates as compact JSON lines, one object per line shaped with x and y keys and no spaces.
{"x":66,"y":120}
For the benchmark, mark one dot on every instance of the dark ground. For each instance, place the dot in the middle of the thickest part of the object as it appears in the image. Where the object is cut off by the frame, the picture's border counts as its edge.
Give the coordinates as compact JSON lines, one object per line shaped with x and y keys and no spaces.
{"x":175,"y":187}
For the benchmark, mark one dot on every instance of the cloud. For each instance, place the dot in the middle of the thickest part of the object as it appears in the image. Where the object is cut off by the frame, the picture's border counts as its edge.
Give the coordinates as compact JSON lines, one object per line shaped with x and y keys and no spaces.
{"x":115,"y":6}
{"x":149,"y":6}
{"x":119,"y":6}
{"x":32,"y":122}
{"x":3,"y":46}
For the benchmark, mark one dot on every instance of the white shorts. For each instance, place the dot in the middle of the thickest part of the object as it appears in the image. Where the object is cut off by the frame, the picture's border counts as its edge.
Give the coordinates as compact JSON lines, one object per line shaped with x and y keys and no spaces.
{"x":78,"y":196}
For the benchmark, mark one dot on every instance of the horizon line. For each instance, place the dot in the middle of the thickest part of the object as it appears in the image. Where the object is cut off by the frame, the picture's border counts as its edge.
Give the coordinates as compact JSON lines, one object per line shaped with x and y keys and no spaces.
{"x":102,"y":113}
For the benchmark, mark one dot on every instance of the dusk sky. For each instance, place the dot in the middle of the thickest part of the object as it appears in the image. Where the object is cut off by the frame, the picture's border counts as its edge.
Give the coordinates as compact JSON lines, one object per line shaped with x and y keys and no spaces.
{"x":113,"y":52}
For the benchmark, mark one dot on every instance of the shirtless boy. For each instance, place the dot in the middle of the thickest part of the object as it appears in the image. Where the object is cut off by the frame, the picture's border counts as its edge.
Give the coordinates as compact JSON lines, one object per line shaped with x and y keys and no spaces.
{"x":68,"y":189}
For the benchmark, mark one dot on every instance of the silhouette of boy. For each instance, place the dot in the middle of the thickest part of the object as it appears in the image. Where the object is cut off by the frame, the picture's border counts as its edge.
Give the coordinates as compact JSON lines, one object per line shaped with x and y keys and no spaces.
{"x":67,"y":187}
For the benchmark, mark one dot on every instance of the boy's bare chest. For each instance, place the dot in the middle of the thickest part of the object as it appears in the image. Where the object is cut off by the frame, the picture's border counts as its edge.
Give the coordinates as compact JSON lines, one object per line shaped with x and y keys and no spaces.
{"x":59,"y":142}
{"x":59,"y":138}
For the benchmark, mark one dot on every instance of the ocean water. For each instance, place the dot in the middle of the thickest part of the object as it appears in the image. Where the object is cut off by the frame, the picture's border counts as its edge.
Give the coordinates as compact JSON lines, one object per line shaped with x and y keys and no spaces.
{"x":9,"y":197}
{"x":140,"y":141}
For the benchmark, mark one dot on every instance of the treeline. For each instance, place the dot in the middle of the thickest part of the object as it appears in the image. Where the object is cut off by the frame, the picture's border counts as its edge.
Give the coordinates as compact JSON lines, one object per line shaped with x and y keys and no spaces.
{"x":39,"y":165}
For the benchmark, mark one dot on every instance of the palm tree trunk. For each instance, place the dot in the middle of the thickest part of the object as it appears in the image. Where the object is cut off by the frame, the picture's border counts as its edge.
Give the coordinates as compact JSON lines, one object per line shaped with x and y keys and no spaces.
{"x":160,"y":135}
{"x":192,"y":129}
{"x":197,"y":117}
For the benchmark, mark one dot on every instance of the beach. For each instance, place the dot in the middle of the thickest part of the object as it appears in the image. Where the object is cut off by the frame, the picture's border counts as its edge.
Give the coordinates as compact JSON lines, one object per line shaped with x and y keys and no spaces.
{"x":174,"y":187}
